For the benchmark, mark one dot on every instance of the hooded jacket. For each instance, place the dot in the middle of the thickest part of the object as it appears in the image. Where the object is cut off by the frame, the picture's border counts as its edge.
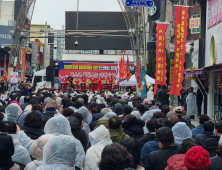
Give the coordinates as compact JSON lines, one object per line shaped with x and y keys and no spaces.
{"x":103,"y":121}
{"x":134,"y":128}
{"x":117,"y":135}
{"x":216,"y":162}
{"x":176,"y":162}
{"x":95,"y":118}
{"x":33,"y":133}
{"x":211,"y":144}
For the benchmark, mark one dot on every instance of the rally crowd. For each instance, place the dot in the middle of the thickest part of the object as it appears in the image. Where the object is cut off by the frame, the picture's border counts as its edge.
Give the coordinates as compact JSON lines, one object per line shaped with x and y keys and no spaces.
{"x":42,"y":130}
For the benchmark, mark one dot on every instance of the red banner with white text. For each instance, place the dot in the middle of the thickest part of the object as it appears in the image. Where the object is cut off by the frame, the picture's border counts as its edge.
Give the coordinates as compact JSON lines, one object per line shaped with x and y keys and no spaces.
{"x":181,"y":24}
{"x":160,"y":54}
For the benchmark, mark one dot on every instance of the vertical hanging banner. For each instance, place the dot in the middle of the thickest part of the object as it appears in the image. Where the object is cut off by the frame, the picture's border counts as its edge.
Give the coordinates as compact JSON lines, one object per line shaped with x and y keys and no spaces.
{"x":160,"y":54}
{"x":23,"y":68}
{"x":181,"y":24}
{"x":22,"y":55}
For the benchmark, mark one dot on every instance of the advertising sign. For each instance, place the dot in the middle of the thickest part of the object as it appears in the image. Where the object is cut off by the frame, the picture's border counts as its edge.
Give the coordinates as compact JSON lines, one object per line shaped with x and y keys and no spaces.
{"x":6,"y":34}
{"x":87,"y":70}
{"x":35,"y":53}
{"x":194,"y":23}
{"x":171,"y":70}
{"x":214,"y":15}
{"x":14,"y":78}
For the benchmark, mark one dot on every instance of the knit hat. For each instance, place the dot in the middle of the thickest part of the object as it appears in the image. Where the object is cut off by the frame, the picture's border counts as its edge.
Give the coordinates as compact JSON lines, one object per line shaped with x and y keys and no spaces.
{"x":197,"y":158}
{"x":118,"y":106}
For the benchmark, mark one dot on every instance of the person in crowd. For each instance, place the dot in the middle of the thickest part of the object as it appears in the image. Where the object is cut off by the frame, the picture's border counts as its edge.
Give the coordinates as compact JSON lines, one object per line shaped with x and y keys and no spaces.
{"x":30,"y":104}
{"x":216,"y":161}
{"x":170,"y":114}
{"x":163,"y":96}
{"x":67,"y":112}
{"x":173,"y":120}
{"x":122,"y":101}
{"x":118,"y":109}
{"x":76,"y":127}
{"x":176,"y":162}
{"x":208,"y":127}
{"x":158,"y":115}
{"x":211,"y":144}
{"x":26,"y":100}
{"x":127,"y":109}
{"x":115,"y":156}
{"x":150,"y":136}
{"x":199,"y":129}
{"x":141,"y":109}
{"x":33,"y":125}
{"x":132,"y":147}
{"x":153,"y":145}
{"x":181,"y":131}
{"x":12,"y":112}
{"x":199,"y":100}
{"x":181,"y":97}
{"x":38,"y":108}
{"x":133,"y":126}
{"x":20,"y":155}
{"x":59,"y":153}
{"x":197,"y":159}
{"x":7,"y":150}
{"x":65,"y":100}
{"x":96,"y":115}
{"x":99,"y":138}
{"x":158,"y":159}
{"x":159,"y":89}
{"x":105,"y":111}
{"x":165,"y":109}
{"x":27,"y":90}
{"x":13,"y":98}
{"x":191,"y":104}
{"x":110,"y":114}
{"x":115,"y":129}
{"x":50,"y":111}
{"x":179,"y":113}
{"x":149,"y":114}
{"x":37,"y":152}
{"x":136,"y":114}
{"x":56,"y":104}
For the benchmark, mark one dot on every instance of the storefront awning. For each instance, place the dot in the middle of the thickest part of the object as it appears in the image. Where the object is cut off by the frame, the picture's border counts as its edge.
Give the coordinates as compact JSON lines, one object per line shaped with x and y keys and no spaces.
{"x":215,"y":67}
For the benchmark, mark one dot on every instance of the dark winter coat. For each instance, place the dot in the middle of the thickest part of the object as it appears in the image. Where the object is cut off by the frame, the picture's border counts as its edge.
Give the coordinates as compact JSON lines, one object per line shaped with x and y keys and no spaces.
{"x":146,"y":138}
{"x":164,"y":97}
{"x":211,"y":144}
{"x":216,"y":161}
{"x":46,"y":117}
{"x":118,"y":111}
{"x":77,"y":131}
{"x":203,"y":136}
{"x":24,"y":92}
{"x":158,"y":159}
{"x":134,"y":128}
{"x":95,"y":118}
{"x":33,"y":133}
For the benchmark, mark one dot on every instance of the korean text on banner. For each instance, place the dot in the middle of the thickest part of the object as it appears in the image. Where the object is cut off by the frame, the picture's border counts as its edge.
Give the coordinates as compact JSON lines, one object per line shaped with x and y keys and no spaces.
{"x":22,"y":56}
{"x":194,"y":23}
{"x":14,"y":78}
{"x":23,"y":68}
{"x":181,"y":25}
{"x":214,"y":15}
{"x":160,"y":54}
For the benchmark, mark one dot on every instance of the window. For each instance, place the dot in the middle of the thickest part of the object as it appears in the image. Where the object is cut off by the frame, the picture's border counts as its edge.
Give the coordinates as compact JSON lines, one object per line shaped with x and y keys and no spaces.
{"x":195,"y":30}
{"x":37,"y":79}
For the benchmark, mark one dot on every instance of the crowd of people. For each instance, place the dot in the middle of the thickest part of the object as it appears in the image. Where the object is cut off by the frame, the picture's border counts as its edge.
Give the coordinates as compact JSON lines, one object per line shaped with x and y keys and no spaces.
{"x":90,"y":130}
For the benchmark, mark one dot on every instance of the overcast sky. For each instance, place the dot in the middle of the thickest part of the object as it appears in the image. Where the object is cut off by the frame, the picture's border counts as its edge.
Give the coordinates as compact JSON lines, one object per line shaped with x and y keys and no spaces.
{"x":53,"y":11}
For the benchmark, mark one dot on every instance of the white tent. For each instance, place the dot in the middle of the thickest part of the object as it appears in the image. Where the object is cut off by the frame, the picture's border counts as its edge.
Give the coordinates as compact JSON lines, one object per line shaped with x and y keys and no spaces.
{"x":132,"y":81}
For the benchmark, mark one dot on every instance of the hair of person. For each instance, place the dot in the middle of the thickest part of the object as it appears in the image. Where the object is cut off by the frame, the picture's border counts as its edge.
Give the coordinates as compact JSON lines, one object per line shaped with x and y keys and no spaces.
{"x":164,"y":86}
{"x":54,"y":103}
{"x":208,"y":126}
{"x":173,"y":120}
{"x":67,"y":112}
{"x":85,"y":97}
{"x":81,"y":100}
{"x":151,"y":125}
{"x":37,"y":107}
{"x":158,"y":86}
{"x":69,"y":104}
{"x":74,"y":99}
{"x":77,"y":104}
{"x":115,"y":156}
{"x":170,"y":114}
{"x":65,"y":100}
{"x":96,"y":109}
{"x":187,"y":144}
{"x":33,"y":101}
{"x":6,"y":145}
{"x":33,"y":120}
{"x":27,"y":99}
{"x":1,"y":116}
{"x":129,"y":118}
{"x":134,"y":103}
{"x":218,"y":127}
{"x":92,"y":104}
{"x":78,"y":116}
{"x":115,"y":122}
{"x":133,"y":148}
{"x":158,"y":115}
{"x":165,"y":109}
{"x":203,"y":118}
{"x":161,"y":123}
{"x":102,"y":105}
{"x":104,"y":111}
{"x":159,"y":104}
{"x":7,"y":126}
{"x":141,"y":108}
{"x":108,"y":100}
{"x":165,"y":136}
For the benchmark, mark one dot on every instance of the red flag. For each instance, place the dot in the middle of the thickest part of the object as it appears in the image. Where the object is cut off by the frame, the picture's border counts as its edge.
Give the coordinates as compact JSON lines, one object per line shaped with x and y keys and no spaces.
{"x":5,"y":71}
{"x":128,"y":71}
{"x":123,"y":71}
{"x":160,"y":54}
{"x":181,"y":16}
{"x":138,"y":75}
{"x":16,"y":68}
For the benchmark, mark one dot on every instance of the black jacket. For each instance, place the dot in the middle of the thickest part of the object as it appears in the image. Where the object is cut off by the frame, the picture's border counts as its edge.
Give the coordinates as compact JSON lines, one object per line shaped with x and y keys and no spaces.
{"x":157,"y":160}
{"x":134,"y":128}
{"x":24,"y":92}
{"x":203,"y":136}
{"x":95,"y":118}
{"x":216,"y":161}
{"x":33,"y":133}
{"x":46,"y":117}
{"x":146,"y":138}
{"x":164,"y":97}
{"x":118,"y":111}
{"x":211,"y":144}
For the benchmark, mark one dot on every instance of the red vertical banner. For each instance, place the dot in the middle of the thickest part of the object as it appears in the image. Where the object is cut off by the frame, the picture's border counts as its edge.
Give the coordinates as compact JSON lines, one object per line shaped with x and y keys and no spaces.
{"x":138,"y":75}
{"x":181,"y":16}
{"x":22,"y":55}
{"x":23,"y":68}
{"x":160,"y":54}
